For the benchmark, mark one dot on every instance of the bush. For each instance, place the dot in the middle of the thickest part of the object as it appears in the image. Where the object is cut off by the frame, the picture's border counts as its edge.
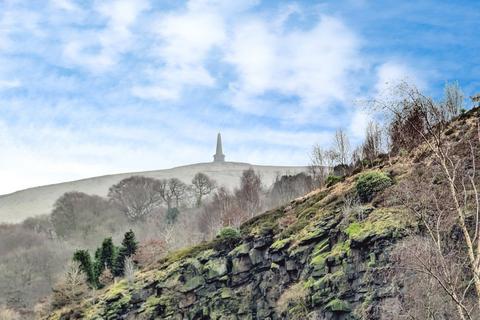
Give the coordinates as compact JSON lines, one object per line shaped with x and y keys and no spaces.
{"x":293,"y":302}
{"x":331,"y":180}
{"x":228,"y":233}
{"x":370,"y":183}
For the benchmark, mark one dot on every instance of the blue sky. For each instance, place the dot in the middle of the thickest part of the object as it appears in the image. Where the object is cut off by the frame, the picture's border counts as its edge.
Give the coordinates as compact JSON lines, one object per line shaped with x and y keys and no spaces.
{"x":98,"y":87}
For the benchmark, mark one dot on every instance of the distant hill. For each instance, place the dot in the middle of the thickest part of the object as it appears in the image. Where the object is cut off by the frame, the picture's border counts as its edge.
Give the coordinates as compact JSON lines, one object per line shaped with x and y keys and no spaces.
{"x":20,"y":205}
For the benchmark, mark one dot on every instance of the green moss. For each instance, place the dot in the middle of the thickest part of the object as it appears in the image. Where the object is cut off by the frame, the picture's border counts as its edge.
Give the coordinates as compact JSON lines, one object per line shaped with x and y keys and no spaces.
{"x":340,"y":250}
{"x":372,"y":261}
{"x":115,"y":308}
{"x":319,"y":254}
{"x":293,"y":229}
{"x":242,"y":249}
{"x":117,"y":289}
{"x":263,"y":223}
{"x":318,"y":261}
{"x":274,"y":266}
{"x":226,"y":293}
{"x":380,"y":222}
{"x":321,"y":247}
{"x":332,"y":180}
{"x":150,"y":306}
{"x":215,"y":268}
{"x":189,"y":252}
{"x":331,"y":279}
{"x":193,"y":283}
{"x":280,"y":244}
{"x":337,"y":305}
{"x":206,"y":255}
{"x":308,"y":212}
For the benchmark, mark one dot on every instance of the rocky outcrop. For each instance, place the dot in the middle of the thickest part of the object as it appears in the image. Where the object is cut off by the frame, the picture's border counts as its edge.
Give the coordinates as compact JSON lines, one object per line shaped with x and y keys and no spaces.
{"x":337,"y":258}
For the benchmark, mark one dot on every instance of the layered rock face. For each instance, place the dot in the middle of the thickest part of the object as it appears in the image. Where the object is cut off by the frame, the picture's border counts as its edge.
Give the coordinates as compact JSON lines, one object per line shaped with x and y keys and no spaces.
{"x":335,"y":259}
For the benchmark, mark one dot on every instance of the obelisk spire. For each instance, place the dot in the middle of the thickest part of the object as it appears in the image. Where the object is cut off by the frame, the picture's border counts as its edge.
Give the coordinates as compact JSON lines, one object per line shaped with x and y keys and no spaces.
{"x":219,"y":156}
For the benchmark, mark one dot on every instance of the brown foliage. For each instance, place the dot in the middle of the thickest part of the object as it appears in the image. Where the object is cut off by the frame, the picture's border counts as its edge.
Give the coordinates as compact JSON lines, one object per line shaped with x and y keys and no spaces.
{"x":71,"y":288}
{"x":150,"y":251}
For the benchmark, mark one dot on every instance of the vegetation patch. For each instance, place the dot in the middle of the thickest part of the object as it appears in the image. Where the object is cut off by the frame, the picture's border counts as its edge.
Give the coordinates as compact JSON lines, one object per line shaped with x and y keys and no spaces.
{"x":228,"y":233}
{"x":381,"y":222}
{"x":337,"y":305}
{"x":151,"y":305}
{"x":280,"y":244}
{"x":262,"y":224}
{"x":370,"y":183}
{"x":332,"y":180}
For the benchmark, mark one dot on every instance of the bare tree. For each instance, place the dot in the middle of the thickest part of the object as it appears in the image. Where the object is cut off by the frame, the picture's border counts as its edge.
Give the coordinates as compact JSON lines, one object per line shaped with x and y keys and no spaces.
{"x":72,"y":287}
{"x":136,"y":196}
{"x":288,"y":187}
{"x":77,"y":213}
{"x":165,"y":192}
{"x":342,"y":147}
{"x":451,"y":205}
{"x":371,"y":147}
{"x":202,"y":186}
{"x":129,"y":270}
{"x":453,"y":100}
{"x":249,"y":193}
{"x":178,"y":189}
{"x":318,"y":165}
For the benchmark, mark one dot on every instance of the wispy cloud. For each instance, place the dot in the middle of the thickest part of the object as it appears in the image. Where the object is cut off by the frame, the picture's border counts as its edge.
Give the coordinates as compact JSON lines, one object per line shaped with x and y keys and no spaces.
{"x":95,"y":87}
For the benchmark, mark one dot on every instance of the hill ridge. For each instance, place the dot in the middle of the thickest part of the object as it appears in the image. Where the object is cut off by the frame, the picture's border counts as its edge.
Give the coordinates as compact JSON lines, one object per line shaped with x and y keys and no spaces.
{"x":21,"y":204}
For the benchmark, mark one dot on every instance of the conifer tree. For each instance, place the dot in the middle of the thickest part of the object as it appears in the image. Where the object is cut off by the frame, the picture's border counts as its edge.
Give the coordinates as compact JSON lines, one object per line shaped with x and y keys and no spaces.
{"x":130,"y":243}
{"x":107,"y":254}
{"x":84,"y":259}
{"x":128,"y":249}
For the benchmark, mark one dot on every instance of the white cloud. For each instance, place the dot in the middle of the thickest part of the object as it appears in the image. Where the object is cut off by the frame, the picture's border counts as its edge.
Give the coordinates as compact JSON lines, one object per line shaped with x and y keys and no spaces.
{"x":358,"y":125}
{"x":10,"y":84}
{"x":313,"y":66}
{"x":100,"y":50}
{"x":67,"y":5}
{"x":185,"y":40}
{"x":392,"y":73}
{"x":73,"y":124}
{"x":155,"y":93}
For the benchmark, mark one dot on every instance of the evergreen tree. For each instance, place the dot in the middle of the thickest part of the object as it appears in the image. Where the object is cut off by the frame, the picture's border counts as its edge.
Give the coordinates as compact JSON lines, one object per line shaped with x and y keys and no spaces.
{"x":128,"y":248}
{"x":130,"y":243}
{"x":84,"y":259}
{"x":107,"y":254}
{"x":119,"y":262}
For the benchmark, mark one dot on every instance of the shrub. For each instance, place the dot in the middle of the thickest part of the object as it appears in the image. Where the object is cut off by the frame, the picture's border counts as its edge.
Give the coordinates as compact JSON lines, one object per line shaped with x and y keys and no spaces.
{"x":370,"y":183}
{"x":71,"y":288}
{"x":293,"y":302}
{"x":331,"y":180}
{"x":228,"y":233}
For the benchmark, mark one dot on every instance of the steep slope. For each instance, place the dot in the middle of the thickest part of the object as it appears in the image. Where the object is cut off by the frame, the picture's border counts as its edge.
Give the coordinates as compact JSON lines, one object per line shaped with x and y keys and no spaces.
{"x":17,"y":206}
{"x":312,"y":245}
{"x":321,"y":256}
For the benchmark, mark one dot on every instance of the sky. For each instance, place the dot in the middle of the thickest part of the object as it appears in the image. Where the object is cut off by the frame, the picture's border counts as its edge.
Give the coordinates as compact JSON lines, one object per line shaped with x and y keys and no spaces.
{"x":91,"y":87}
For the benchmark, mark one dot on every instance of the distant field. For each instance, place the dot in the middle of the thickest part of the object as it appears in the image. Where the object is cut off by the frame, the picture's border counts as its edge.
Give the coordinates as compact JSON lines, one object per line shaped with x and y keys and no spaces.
{"x":19,"y":205}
